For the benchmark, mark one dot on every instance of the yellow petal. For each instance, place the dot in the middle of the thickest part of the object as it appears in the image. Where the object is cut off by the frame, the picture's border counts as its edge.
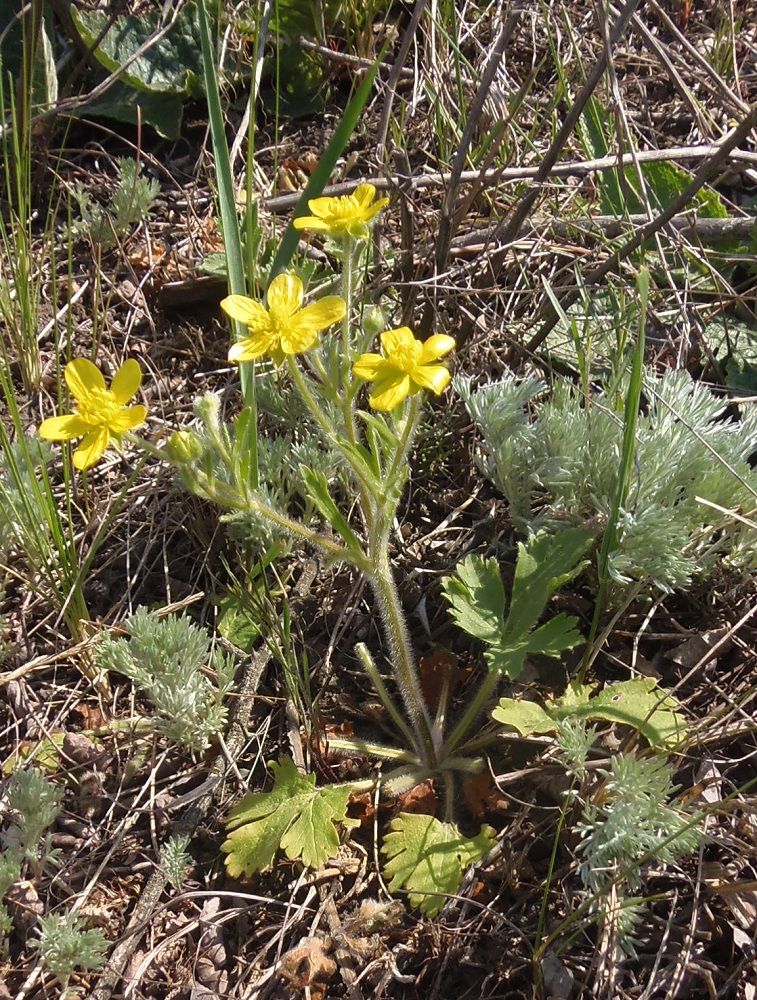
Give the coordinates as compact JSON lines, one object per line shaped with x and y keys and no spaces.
{"x":126,"y":381}
{"x":310,"y":222}
{"x":436,"y":347}
{"x":63,"y":428}
{"x":368,"y":366}
{"x":82,"y":377}
{"x":251,"y":348}
{"x":389,"y":392}
{"x":402,"y":339}
{"x":364,"y":194}
{"x":285,"y":294}
{"x":127,"y":418}
{"x":433,"y":377}
{"x":247,"y":311}
{"x":92,"y":447}
{"x":297,"y":339}
{"x":323,"y":208}
{"x":321,"y":314}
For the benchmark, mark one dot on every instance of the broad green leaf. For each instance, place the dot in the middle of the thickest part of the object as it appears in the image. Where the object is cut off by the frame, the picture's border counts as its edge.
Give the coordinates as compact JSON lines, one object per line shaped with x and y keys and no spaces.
{"x":170,"y":65}
{"x":477,"y":597}
{"x":637,"y":703}
{"x":428,"y":857}
{"x":524,"y":716}
{"x":544,"y":565}
{"x":318,"y":491}
{"x":294,"y":816}
{"x":236,"y":623}
{"x":123,"y":103}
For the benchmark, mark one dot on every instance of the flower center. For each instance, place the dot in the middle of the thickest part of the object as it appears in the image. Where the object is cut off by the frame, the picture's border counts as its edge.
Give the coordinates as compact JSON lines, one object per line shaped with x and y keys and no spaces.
{"x":406,"y":357}
{"x":99,"y":408}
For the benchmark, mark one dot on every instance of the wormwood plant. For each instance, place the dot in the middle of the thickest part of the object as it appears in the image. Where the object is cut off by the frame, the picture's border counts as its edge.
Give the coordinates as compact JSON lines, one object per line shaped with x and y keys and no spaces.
{"x":131,"y":202}
{"x":361,"y":461}
{"x":165,"y":659}
{"x":692,"y":491}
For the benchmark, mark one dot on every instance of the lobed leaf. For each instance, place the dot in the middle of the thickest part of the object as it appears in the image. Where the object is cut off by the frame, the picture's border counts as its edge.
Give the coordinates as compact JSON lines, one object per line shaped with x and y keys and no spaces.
{"x":545,"y":563}
{"x":429,"y":858}
{"x":294,"y":816}
{"x":637,"y":703}
{"x":477,"y":598}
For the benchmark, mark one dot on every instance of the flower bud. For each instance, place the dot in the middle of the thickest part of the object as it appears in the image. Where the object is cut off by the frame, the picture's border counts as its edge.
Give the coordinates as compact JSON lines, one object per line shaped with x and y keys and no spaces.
{"x":184,"y":447}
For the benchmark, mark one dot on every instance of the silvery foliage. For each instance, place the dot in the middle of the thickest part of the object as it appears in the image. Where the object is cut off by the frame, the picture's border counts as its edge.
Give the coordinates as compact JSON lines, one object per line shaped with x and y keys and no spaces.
{"x":165,"y":659}
{"x":64,"y":945}
{"x":558,"y":463}
{"x":633,"y":826}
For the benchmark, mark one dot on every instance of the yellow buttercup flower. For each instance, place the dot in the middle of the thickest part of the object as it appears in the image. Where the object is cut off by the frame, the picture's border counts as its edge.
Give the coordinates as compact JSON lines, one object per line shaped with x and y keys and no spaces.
{"x":406,"y":367}
{"x":101,"y":414}
{"x":347,"y":214}
{"x":285,"y":327}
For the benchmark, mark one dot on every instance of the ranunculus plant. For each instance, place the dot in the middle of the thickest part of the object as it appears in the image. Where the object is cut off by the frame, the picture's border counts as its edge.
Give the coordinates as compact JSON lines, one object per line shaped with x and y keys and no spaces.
{"x":367,"y":407}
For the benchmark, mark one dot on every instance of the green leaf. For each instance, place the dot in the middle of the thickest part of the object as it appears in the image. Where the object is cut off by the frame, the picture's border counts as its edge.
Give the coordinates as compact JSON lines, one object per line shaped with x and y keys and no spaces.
{"x":637,"y":703}
{"x":318,"y":491}
{"x":551,"y":639}
{"x":524,"y":716}
{"x":428,"y":857}
{"x":122,"y":103}
{"x":170,"y":65}
{"x":545,"y":564}
{"x":294,"y":816}
{"x":236,"y":623}
{"x":477,"y":598}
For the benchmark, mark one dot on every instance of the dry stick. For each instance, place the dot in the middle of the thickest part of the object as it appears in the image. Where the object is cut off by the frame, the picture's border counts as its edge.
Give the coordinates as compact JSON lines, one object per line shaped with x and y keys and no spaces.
{"x":461,"y":154}
{"x":185,"y":825}
{"x":609,"y":226}
{"x":575,"y":168}
{"x":697,"y":57}
{"x":658,"y":50}
{"x":526,"y":203}
{"x":408,"y":290}
{"x":394,"y":76}
{"x":345,"y":59}
{"x":705,"y":172}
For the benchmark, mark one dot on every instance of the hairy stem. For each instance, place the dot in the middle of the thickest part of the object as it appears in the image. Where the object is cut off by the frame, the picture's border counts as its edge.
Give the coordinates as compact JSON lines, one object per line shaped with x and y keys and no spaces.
{"x":480,"y":700}
{"x":403,"y":660}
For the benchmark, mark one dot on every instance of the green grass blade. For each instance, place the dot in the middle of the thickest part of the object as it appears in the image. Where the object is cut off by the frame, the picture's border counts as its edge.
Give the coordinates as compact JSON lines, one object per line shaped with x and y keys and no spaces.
{"x":319,"y":177}
{"x":633,"y":399}
{"x":232,"y":240}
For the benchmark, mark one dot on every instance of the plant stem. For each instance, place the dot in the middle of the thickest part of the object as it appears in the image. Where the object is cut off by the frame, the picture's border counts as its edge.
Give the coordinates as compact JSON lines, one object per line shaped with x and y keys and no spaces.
{"x":484,"y":694}
{"x":403,"y":661}
{"x":372,"y":670}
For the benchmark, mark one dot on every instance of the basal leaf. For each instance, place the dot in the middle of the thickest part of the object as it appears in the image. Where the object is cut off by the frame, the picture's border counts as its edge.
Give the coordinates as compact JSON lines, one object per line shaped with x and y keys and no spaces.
{"x":544,"y":565}
{"x":525,"y":716}
{"x":555,"y":636}
{"x":170,"y":65}
{"x":637,"y":703}
{"x":294,"y":816}
{"x":477,"y":597}
{"x":122,"y":103}
{"x":550,"y":639}
{"x":428,"y":857}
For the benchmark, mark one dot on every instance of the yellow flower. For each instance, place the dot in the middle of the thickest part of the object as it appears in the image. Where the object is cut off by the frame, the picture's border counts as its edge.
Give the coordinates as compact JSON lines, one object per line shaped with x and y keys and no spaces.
{"x":347,"y":214}
{"x":285,"y":327}
{"x":405,"y":367}
{"x":101,"y":414}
